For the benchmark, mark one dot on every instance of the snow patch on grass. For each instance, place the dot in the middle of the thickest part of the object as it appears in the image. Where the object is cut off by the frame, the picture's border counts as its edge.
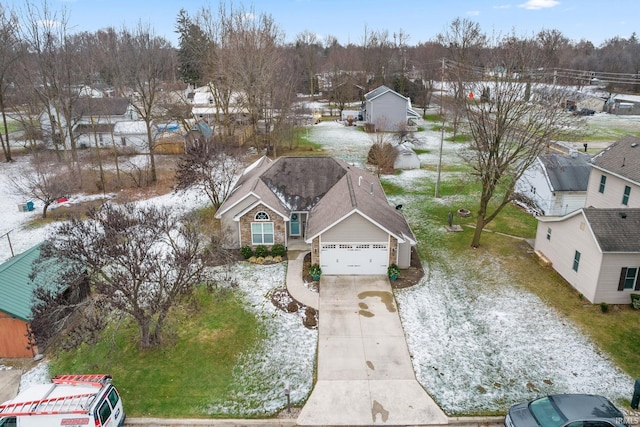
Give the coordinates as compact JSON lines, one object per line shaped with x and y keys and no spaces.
{"x":479,"y":348}
{"x":286,"y":354}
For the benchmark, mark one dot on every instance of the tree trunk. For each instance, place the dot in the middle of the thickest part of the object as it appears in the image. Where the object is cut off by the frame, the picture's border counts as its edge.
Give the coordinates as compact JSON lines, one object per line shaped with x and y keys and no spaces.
{"x":145,"y":335}
{"x":7,"y":150}
{"x":478,"y":231}
{"x":152,"y":156}
{"x":44,"y":209}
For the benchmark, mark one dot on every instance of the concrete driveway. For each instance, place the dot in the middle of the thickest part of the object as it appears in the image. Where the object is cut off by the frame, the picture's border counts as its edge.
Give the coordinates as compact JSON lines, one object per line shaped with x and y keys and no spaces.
{"x":365,"y":375}
{"x":9,"y":383}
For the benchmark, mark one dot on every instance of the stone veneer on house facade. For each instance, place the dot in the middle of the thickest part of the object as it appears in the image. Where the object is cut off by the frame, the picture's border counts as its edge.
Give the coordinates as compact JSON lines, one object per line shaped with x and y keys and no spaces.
{"x":279,"y":228}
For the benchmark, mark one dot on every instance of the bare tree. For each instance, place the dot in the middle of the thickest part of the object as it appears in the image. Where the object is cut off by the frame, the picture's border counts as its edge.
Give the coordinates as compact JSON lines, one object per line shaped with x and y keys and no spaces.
{"x":508,"y":133}
{"x":209,"y":166}
{"x":254,"y":61}
{"x":464,"y":41}
{"x":309,"y":49}
{"x":141,"y":260}
{"x":145,"y":63}
{"x":53,"y":72}
{"x":376,"y":56}
{"x":382,"y":154}
{"x":10,"y":52}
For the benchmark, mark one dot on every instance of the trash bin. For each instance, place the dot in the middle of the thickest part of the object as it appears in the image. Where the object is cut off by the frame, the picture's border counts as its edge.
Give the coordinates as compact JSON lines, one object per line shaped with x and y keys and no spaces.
{"x":30,"y":206}
{"x":636,"y":395}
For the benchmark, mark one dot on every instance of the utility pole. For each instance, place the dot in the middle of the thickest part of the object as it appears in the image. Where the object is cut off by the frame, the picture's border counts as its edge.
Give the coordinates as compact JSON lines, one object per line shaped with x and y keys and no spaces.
{"x":9,"y":240}
{"x":437,"y":195}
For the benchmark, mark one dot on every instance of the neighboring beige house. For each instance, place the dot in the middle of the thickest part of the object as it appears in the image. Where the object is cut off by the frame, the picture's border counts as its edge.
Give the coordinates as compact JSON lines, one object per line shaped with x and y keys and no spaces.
{"x":615,"y":176}
{"x":597,"y":248}
{"x":337,"y":210}
{"x":387,"y":110}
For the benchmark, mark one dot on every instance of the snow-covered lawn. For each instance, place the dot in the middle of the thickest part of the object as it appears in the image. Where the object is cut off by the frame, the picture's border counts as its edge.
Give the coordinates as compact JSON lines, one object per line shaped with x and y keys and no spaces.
{"x":479,"y":348}
{"x":475,"y":348}
{"x":286,"y":355}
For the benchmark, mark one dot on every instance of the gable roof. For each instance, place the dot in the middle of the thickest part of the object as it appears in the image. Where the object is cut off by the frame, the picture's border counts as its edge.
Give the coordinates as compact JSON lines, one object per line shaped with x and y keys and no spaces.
{"x":361,"y":192}
{"x":100,"y":107}
{"x":615,"y":230}
{"x":566,"y":173}
{"x":621,"y":158}
{"x":300,"y":182}
{"x":328,"y":188}
{"x":16,"y":286}
{"x":381,"y":90}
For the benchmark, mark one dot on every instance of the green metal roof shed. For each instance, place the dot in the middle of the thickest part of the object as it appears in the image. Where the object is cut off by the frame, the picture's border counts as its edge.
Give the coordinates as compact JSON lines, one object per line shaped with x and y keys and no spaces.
{"x":16,"y":287}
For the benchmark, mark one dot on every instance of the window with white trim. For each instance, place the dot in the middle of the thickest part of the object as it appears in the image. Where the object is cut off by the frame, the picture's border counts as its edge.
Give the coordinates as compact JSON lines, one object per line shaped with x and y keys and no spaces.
{"x":261,"y":216}
{"x":549,"y":233}
{"x":262,"y":230}
{"x":629,"y":279}
{"x":262,"y":233}
{"x":576,"y":261}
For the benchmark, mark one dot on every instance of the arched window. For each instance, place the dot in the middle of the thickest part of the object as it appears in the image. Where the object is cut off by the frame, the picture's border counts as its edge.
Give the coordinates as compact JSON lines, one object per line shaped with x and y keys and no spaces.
{"x":262,"y":231}
{"x":262,"y":216}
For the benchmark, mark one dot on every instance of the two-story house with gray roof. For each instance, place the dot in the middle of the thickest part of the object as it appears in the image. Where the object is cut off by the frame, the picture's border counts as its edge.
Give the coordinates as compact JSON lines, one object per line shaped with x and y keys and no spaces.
{"x":597,"y":248}
{"x":556,"y":183}
{"x":387,"y":110}
{"x":339,"y":211}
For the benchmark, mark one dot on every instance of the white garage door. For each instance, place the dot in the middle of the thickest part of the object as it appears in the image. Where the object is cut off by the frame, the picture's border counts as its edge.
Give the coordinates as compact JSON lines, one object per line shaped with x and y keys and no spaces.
{"x":354,"y":258}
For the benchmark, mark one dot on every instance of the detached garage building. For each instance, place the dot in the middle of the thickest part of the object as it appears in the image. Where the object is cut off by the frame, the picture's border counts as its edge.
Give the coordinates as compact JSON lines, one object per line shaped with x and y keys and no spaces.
{"x":339,"y":210}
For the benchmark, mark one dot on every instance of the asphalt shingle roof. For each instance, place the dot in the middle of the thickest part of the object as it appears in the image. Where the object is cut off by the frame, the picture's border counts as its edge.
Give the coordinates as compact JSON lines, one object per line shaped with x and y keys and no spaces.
{"x":621,"y":158}
{"x":567,"y":173}
{"x":616,"y":230}
{"x":329,"y":189}
{"x":100,"y":107}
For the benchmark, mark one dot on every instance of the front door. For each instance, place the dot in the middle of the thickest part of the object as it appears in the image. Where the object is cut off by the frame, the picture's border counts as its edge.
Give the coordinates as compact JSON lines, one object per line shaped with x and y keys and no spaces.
{"x":294,"y":225}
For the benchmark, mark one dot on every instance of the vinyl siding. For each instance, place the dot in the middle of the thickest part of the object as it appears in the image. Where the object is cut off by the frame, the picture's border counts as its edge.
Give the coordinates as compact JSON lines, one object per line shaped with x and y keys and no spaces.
{"x":567,"y":237}
{"x":610,"y":276}
{"x":387,"y":111}
{"x":356,"y":229}
{"x":231,"y":227}
{"x":613,"y":192}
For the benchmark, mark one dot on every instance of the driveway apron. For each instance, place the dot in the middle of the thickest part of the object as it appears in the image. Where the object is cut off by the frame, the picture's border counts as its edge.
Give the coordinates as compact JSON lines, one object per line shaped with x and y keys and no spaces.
{"x":365,"y":375}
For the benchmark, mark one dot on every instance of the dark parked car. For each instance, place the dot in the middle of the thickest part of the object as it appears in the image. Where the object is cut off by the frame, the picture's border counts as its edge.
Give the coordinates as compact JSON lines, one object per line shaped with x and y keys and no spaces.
{"x":585,"y":112}
{"x":566,"y":410}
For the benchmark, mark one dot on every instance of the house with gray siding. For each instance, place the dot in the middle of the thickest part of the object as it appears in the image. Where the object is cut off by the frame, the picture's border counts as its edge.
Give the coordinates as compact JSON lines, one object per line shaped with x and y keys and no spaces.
{"x":339,"y":212}
{"x":387,"y":110}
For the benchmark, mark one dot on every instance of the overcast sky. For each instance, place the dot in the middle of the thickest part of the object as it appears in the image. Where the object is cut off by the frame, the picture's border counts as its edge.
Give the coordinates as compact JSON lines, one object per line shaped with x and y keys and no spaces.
{"x":593,"y":20}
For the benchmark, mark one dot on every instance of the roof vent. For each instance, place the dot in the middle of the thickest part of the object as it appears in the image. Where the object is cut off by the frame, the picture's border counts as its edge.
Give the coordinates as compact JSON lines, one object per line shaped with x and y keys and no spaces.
{"x":623,"y":215}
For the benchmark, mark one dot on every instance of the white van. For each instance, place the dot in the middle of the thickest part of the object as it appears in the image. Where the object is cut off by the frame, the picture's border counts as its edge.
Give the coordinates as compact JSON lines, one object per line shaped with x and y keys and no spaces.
{"x":69,"y":400}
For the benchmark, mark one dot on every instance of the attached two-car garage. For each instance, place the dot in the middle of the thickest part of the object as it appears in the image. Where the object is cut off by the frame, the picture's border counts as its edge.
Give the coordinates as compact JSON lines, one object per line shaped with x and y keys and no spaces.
{"x":354,"y":258}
